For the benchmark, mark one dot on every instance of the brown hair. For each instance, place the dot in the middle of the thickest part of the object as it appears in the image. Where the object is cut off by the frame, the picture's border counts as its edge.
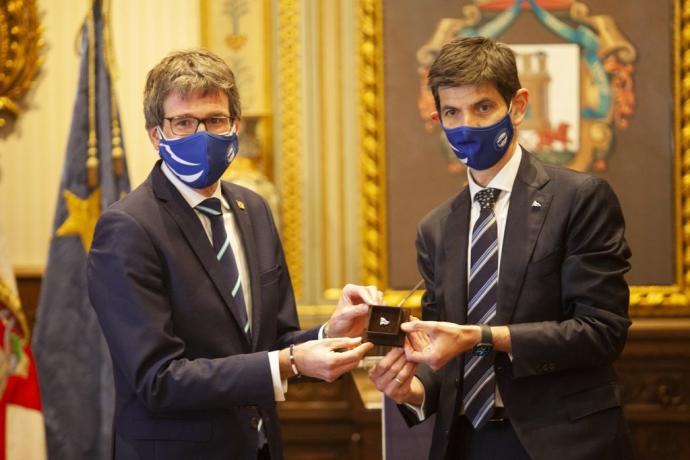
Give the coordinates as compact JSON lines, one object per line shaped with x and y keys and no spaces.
{"x":186,"y":72}
{"x":473,"y":61}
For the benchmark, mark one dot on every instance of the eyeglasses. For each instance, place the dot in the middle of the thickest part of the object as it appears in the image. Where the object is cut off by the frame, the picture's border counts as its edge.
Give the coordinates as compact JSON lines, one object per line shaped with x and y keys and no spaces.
{"x":186,"y":126}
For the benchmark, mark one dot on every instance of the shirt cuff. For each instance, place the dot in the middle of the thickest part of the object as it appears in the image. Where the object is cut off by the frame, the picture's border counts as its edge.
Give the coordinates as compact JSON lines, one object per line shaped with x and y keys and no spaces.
{"x":418,"y":410}
{"x":279,"y":386}
{"x":322,"y":332}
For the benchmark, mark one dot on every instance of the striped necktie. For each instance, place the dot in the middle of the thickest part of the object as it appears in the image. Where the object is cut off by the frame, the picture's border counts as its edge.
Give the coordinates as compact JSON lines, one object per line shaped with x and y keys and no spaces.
{"x":221,"y":244}
{"x":479,"y":385}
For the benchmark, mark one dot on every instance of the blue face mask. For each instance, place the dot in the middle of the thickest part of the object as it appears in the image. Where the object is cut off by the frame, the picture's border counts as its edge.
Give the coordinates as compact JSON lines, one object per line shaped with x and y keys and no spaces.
{"x":200,"y":159}
{"x":481,"y":148}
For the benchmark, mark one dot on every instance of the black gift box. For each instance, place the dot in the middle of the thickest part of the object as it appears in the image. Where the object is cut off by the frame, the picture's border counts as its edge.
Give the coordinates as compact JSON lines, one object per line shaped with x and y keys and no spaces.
{"x":383,"y":325}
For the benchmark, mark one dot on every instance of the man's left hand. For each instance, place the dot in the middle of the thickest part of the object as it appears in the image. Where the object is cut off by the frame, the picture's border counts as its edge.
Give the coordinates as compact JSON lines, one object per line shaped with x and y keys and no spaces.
{"x":350,"y":316}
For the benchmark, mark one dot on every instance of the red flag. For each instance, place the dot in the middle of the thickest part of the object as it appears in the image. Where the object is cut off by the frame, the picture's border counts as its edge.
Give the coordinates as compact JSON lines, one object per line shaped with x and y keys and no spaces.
{"x":22,"y":430}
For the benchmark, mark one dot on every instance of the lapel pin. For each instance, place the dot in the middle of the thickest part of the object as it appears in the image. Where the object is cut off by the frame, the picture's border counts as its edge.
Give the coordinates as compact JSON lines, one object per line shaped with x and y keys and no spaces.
{"x":536,"y":204}
{"x":240,"y":204}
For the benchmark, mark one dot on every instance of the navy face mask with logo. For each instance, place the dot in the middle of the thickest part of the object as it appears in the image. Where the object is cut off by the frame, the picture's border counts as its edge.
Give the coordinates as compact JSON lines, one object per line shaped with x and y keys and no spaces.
{"x":481,"y":148}
{"x":201,"y":159}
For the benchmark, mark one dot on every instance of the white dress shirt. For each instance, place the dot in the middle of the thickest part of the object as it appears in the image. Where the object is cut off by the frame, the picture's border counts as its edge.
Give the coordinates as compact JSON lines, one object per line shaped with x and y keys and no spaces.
{"x":502,"y":181}
{"x":193,"y":198}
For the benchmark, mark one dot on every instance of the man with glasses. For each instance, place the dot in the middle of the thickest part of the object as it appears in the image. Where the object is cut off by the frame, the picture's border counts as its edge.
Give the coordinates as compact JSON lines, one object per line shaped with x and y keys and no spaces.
{"x":189,"y":281}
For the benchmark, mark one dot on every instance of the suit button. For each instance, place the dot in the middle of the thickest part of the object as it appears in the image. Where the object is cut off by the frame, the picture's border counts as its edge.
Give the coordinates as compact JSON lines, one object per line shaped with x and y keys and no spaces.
{"x":457,"y":382}
{"x":254,"y":423}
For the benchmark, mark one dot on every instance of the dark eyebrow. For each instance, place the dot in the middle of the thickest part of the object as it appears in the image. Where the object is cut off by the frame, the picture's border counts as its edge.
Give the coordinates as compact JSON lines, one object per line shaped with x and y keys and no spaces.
{"x":484,"y":101}
{"x":446,"y":107}
{"x":210,"y":115}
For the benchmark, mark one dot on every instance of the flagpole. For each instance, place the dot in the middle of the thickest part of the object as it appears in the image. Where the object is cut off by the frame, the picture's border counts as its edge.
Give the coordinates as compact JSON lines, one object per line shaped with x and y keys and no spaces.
{"x":92,"y":149}
{"x":111,"y":67}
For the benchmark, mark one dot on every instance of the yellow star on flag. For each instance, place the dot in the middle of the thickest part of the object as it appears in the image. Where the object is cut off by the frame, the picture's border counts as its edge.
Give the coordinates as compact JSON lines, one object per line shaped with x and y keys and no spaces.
{"x":82,"y":216}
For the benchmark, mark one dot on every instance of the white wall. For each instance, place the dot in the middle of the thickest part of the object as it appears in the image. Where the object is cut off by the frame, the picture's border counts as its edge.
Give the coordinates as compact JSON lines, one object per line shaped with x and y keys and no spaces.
{"x":31,"y":156}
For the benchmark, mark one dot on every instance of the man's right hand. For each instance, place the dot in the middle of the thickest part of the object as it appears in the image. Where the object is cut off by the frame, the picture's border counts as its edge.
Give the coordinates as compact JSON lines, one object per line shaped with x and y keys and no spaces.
{"x":394,"y":376}
{"x":437,"y":342}
{"x":319,"y":358}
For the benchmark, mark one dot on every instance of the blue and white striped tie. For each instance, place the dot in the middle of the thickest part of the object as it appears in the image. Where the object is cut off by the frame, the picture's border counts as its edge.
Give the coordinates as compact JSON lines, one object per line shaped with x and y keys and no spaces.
{"x":479,"y":385}
{"x":221,"y":244}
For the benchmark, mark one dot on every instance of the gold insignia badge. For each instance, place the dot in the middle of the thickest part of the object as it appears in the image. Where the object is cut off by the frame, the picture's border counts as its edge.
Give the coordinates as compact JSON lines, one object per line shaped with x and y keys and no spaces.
{"x":240,"y":204}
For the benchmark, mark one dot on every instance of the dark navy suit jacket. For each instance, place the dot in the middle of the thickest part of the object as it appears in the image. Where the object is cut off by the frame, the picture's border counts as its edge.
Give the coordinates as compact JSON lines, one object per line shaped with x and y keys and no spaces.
{"x":189,"y":384}
{"x":562,"y":292}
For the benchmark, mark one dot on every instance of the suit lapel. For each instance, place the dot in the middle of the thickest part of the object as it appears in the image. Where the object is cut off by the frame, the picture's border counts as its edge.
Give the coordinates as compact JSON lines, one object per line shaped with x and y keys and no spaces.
{"x":244,"y":224}
{"x":528,"y":208}
{"x":455,"y":251}
{"x":188,"y":222}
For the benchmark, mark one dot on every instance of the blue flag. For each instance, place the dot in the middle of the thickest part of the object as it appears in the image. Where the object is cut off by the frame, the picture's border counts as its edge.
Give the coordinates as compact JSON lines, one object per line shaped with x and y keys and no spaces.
{"x":72,"y":358}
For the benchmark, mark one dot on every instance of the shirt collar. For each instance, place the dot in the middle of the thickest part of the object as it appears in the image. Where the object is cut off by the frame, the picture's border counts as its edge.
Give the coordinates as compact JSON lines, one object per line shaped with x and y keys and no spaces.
{"x":504,"y":179}
{"x":190,"y":194}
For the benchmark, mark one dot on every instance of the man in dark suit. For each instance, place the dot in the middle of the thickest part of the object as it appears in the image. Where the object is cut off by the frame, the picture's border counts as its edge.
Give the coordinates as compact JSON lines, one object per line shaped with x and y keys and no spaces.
{"x":189,"y":281}
{"x":525,"y":308}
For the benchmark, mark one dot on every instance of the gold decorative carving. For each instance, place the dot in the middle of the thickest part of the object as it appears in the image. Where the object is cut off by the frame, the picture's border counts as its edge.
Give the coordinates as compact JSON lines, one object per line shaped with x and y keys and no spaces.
{"x":372,"y":132}
{"x":651,"y":388}
{"x":610,"y":37}
{"x":645,"y":301}
{"x":20,"y":48}
{"x":290,"y":128}
{"x":654,"y":378}
{"x":445,"y":32}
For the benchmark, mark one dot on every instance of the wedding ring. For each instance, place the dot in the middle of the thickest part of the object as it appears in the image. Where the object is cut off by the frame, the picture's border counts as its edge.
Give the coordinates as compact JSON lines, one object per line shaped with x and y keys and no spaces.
{"x":398,"y":380}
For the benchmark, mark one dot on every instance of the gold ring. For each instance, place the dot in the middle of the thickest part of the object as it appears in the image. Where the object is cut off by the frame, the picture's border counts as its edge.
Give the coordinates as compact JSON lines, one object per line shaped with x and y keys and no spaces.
{"x":398,"y":380}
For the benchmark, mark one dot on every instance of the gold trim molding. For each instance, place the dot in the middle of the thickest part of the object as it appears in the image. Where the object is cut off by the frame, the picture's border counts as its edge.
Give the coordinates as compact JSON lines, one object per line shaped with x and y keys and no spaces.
{"x":374,"y":249}
{"x":20,"y":48}
{"x":291,"y":138}
{"x":645,"y":301}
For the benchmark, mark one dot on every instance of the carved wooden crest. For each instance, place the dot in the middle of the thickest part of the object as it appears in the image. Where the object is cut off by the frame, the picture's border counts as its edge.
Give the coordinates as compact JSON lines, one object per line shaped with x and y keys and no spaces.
{"x":20,"y":47}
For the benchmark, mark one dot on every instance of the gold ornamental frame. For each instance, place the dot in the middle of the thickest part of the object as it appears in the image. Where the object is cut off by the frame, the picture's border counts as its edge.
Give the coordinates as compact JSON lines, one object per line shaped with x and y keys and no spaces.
{"x":646,"y":300}
{"x":291,"y":108}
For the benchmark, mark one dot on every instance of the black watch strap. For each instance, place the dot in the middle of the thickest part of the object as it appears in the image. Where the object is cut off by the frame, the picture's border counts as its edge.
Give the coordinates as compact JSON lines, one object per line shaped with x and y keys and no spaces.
{"x":487,"y":336}
{"x":486,"y":341}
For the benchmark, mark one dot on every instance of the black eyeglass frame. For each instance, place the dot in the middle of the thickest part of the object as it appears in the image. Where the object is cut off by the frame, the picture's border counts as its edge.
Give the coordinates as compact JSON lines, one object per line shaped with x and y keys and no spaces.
{"x":198,"y":121}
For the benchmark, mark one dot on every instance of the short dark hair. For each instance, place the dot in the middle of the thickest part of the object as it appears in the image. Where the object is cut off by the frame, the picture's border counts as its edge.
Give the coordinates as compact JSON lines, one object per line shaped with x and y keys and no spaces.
{"x":187,"y":72}
{"x":473,"y":61}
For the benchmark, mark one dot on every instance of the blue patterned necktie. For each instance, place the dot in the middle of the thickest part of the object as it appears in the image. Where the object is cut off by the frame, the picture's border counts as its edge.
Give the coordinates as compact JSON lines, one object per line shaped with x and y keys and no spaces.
{"x":479,"y":385}
{"x":221,"y":244}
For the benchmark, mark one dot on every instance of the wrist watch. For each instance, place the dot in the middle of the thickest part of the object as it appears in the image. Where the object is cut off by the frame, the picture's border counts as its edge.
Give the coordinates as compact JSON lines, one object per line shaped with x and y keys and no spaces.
{"x":486,"y":343}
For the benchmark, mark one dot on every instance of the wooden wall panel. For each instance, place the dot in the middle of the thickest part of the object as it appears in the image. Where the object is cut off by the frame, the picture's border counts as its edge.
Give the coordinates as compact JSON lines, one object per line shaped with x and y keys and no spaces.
{"x":328,"y":421}
{"x":655,"y":375}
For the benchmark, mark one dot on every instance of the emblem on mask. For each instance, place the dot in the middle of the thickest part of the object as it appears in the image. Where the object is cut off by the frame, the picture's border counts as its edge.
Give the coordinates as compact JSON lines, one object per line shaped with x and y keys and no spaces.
{"x":501,"y":139}
{"x":231,"y":153}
